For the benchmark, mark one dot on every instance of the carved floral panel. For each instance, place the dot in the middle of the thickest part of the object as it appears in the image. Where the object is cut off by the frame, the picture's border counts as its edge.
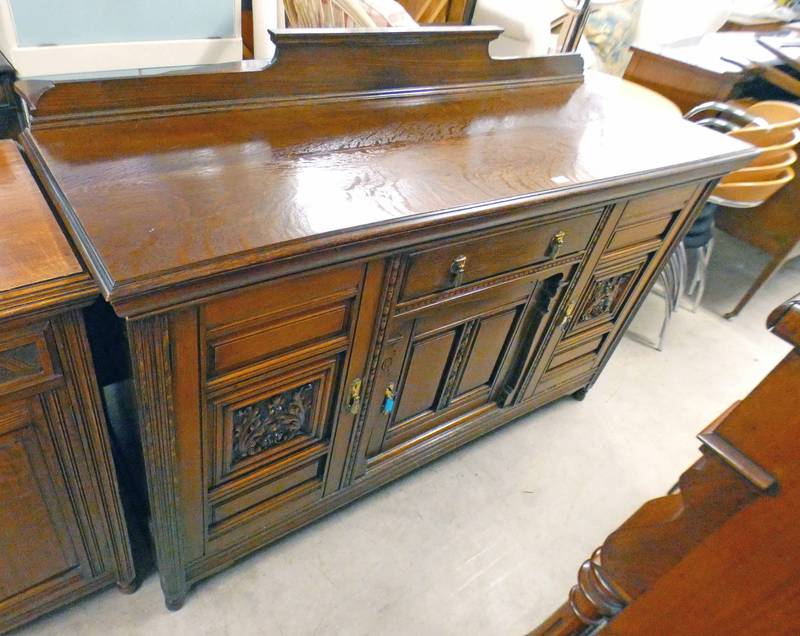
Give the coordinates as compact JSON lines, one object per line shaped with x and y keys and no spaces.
{"x":605,"y":296}
{"x":272,"y":421}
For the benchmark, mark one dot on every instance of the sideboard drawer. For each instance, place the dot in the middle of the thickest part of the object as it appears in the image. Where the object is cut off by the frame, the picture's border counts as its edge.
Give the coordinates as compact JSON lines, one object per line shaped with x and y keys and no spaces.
{"x":648,"y":207}
{"x":279,"y":320}
{"x":650,"y":217}
{"x":566,"y":373}
{"x":434,"y":270}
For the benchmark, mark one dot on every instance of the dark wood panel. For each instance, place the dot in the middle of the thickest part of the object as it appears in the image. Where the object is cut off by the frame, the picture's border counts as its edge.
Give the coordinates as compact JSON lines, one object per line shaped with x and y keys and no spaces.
{"x":424,"y":377}
{"x":260,"y":302}
{"x":574,"y":348}
{"x":255,"y":424}
{"x":292,"y":331}
{"x":640,"y":232}
{"x":489,"y":342}
{"x":659,"y":204}
{"x":295,"y":479}
{"x":563,"y":373}
{"x":25,"y":358}
{"x":611,"y":287}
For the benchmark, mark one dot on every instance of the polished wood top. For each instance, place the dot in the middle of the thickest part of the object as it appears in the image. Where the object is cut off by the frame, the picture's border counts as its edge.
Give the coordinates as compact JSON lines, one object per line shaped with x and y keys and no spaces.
{"x":32,"y":246}
{"x":159,"y":200}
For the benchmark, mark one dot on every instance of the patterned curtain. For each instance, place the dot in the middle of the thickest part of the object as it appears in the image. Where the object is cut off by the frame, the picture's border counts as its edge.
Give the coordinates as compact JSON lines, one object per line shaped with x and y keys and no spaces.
{"x":610,"y":30}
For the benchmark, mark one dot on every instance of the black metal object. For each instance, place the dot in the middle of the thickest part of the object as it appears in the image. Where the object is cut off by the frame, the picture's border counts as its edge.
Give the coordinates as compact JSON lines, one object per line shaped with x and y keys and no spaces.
{"x":9,"y":115}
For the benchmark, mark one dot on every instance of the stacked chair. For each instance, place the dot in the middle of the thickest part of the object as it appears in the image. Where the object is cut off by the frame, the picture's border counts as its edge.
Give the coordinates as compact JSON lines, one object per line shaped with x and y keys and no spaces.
{"x":772,"y":125}
{"x":775,"y":127}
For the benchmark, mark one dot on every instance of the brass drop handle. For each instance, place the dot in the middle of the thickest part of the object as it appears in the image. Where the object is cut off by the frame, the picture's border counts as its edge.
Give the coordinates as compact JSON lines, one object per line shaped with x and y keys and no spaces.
{"x":354,"y":403}
{"x":556,"y":244}
{"x":567,"y":315}
{"x":457,"y":270}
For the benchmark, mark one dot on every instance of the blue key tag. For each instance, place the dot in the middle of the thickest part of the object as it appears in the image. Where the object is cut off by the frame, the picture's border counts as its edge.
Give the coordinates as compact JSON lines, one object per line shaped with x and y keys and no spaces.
{"x":388,"y":400}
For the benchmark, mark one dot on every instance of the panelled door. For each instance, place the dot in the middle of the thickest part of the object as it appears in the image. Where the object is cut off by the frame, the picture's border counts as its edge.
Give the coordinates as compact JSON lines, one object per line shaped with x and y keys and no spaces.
{"x":647,"y":230}
{"x":40,"y":545}
{"x":444,"y":363}
{"x":463,"y":330}
{"x":262,"y":382}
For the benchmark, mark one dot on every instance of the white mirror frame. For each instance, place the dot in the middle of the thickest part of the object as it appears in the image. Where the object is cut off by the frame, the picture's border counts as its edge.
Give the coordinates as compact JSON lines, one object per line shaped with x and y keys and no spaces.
{"x":36,"y":61}
{"x":267,"y":15}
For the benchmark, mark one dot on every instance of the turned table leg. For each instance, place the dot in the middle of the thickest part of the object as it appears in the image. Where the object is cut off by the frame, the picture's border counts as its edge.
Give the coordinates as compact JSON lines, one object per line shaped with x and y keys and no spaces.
{"x":591,"y":601}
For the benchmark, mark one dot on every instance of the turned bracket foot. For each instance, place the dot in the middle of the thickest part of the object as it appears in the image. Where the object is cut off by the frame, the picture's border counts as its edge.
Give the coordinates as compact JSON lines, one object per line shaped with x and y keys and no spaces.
{"x":580,"y":394}
{"x":128,"y":587}
{"x":175,"y":603}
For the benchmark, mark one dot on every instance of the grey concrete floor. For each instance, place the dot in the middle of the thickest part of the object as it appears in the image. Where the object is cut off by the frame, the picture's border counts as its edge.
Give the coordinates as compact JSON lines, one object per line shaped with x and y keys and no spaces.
{"x":488,"y":540}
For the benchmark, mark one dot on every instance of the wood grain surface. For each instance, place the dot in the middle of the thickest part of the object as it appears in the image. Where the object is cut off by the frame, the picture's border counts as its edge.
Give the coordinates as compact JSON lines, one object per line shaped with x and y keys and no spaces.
{"x":32,"y":247}
{"x":198,"y":194}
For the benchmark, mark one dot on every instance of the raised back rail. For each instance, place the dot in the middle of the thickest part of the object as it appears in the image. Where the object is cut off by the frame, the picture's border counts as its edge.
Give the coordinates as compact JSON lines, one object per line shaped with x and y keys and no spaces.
{"x":321,"y":63}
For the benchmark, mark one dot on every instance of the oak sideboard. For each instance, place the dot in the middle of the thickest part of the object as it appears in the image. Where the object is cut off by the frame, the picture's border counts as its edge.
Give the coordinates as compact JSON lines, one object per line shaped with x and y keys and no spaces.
{"x":337,"y":267}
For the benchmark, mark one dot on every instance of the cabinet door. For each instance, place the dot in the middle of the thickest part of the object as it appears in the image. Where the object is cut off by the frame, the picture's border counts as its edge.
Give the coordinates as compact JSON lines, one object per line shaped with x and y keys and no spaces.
{"x":648,"y":228}
{"x":263,"y":378}
{"x":39,"y":540}
{"x":448,"y":361}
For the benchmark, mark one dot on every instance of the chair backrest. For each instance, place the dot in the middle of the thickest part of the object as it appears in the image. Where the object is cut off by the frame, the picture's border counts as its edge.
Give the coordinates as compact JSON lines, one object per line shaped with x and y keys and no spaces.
{"x":327,"y":13}
{"x":440,"y":11}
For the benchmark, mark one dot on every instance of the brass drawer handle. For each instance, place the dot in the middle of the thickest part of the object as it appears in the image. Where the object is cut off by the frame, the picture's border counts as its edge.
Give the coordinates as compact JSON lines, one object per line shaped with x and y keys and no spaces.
{"x":555,"y":244}
{"x":457,"y":270}
{"x":354,"y":403}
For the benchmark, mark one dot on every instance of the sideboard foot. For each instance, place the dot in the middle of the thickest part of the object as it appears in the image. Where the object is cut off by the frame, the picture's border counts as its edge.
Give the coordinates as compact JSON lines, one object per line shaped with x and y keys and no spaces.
{"x":580,"y":394}
{"x":175,"y":603}
{"x":128,"y":587}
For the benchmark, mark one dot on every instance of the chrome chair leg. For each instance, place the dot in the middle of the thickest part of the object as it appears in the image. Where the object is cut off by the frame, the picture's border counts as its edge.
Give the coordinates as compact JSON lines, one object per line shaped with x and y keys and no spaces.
{"x":672,"y":278}
{"x":697,"y":286}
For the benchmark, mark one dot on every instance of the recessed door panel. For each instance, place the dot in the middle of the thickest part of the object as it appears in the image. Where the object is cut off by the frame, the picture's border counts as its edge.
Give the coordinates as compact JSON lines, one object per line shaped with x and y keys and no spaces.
{"x":35,"y":529}
{"x":490,"y":340}
{"x":422,"y":382}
